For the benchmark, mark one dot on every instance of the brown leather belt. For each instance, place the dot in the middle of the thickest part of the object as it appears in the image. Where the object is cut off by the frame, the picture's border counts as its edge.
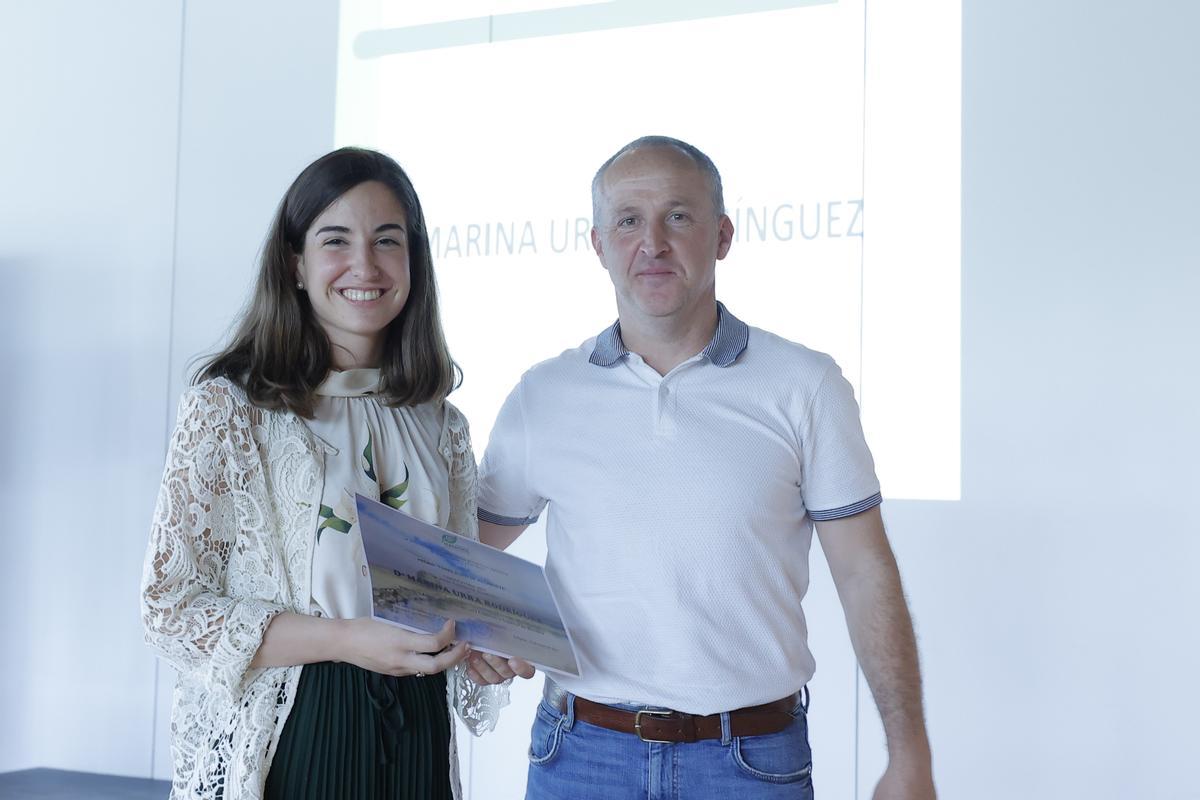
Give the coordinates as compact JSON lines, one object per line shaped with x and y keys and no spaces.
{"x":651,"y":725}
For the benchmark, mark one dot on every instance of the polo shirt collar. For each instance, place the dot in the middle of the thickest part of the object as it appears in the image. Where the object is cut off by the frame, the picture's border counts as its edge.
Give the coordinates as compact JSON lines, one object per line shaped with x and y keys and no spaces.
{"x":727,"y":344}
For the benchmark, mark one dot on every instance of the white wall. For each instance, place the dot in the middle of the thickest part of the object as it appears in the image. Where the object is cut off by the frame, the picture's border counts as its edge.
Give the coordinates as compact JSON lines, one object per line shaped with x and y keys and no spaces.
{"x":114,"y":115}
{"x":87,"y":166}
{"x":1052,"y":602}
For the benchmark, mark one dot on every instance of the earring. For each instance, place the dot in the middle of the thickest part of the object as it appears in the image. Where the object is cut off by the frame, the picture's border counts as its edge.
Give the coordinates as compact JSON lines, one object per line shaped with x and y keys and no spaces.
{"x":299,"y":284}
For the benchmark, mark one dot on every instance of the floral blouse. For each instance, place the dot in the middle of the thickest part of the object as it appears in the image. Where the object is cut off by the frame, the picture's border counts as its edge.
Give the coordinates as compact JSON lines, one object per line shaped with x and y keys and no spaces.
{"x":385,"y":453}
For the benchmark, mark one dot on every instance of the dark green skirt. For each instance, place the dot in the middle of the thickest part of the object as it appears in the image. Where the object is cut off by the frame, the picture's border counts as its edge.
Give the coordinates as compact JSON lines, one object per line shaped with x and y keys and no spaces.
{"x":359,"y":735}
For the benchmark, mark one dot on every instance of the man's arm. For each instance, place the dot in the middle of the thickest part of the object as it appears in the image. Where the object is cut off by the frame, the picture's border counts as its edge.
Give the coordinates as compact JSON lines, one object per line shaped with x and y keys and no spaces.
{"x":499,"y":536}
{"x":868,"y":583}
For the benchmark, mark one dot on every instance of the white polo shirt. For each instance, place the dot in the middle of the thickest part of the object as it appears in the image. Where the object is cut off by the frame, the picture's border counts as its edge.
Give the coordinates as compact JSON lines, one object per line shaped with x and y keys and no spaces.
{"x":681,"y":509}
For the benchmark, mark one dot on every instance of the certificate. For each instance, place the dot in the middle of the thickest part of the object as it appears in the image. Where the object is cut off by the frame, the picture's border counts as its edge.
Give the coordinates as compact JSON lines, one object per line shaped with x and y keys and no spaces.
{"x":422,"y":575}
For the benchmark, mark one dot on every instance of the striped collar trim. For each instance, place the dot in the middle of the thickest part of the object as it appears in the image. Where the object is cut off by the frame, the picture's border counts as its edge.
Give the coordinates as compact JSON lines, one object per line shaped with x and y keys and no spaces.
{"x":728,"y":342}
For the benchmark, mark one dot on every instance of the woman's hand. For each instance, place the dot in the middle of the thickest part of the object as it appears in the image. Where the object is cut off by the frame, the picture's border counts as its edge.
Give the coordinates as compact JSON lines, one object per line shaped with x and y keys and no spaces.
{"x":379,"y":647}
{"x":486,"y":669}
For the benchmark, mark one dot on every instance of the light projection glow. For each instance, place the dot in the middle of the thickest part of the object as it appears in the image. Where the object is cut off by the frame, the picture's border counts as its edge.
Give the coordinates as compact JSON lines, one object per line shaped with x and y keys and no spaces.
{"x":836,"y":130}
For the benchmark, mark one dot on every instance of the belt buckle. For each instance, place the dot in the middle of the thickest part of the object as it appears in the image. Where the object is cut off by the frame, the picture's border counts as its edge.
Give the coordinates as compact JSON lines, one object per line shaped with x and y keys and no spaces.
{"x":637,"y":724}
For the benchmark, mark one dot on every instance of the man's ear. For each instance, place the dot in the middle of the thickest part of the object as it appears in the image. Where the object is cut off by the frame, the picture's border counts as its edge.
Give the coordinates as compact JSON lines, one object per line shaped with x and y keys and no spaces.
{"x":596,"y":245}
{"x":724,"y":236}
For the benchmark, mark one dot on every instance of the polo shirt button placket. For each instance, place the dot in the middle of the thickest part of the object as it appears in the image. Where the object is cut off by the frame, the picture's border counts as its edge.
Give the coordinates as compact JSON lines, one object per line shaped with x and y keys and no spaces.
{"x":664,"y":418}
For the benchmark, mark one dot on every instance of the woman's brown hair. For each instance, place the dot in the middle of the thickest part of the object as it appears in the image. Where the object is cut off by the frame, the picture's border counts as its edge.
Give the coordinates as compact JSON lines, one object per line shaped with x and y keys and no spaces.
{"x":279,"y":353}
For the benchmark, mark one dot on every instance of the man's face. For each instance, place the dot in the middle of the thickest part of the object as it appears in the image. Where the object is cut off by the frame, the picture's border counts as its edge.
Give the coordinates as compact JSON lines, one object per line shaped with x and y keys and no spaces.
{"x":659,"y":235}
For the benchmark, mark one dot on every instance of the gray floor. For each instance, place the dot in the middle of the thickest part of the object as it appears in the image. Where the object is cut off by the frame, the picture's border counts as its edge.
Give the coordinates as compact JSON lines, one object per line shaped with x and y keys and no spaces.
{"x":57,"y":784}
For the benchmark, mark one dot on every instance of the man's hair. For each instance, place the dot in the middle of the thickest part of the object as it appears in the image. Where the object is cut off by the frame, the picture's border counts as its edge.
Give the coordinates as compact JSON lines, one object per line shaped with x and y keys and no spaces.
{"x":279,"y":353}
{"x":702,"y":162}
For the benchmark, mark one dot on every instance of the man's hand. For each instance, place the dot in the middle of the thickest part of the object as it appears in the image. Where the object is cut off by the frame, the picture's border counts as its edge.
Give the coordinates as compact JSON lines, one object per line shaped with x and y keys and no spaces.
{"x":900,"y":782}
{"x":486,"y":669}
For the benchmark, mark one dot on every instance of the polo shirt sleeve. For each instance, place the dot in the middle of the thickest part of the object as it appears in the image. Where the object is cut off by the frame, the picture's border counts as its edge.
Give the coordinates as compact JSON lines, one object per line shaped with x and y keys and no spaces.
{"x":838,"y":473}
{"x":505,"y":496}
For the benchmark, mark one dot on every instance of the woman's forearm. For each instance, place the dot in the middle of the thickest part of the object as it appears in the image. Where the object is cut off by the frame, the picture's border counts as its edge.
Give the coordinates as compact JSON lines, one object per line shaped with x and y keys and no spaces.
{"x":293,"y":639}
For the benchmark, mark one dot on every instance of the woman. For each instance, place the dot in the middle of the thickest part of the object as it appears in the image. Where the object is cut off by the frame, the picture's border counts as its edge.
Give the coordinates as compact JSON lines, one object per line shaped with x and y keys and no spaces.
{"x":255,"y":585}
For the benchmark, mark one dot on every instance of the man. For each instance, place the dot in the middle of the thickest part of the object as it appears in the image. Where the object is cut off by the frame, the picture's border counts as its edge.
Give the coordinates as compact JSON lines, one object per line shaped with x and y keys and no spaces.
{"x":685,"y":458}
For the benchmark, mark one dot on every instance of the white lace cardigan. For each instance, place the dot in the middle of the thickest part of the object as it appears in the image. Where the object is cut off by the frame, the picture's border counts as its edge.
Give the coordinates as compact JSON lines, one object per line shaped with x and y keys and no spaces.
{"x":231,"y":546}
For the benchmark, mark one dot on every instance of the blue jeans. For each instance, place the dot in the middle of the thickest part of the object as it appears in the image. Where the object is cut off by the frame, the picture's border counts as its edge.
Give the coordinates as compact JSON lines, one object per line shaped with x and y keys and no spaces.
{"x":573,"y":760}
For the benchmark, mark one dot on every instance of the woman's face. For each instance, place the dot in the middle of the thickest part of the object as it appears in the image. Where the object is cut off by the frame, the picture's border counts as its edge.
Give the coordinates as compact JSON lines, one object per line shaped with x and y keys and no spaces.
{"x":355,"y":271}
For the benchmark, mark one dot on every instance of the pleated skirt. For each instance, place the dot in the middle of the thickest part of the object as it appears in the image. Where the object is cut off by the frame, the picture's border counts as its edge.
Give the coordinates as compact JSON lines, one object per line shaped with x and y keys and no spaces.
{"x":359,"y":735}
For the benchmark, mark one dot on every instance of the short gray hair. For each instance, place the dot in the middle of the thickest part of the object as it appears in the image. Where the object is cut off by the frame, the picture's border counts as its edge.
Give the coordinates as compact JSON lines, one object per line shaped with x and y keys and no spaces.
{"x":702,"y":162}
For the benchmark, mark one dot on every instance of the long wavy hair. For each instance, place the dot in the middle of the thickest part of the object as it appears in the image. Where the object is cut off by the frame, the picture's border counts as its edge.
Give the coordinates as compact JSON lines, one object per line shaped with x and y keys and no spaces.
{"x":279,"y":353}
